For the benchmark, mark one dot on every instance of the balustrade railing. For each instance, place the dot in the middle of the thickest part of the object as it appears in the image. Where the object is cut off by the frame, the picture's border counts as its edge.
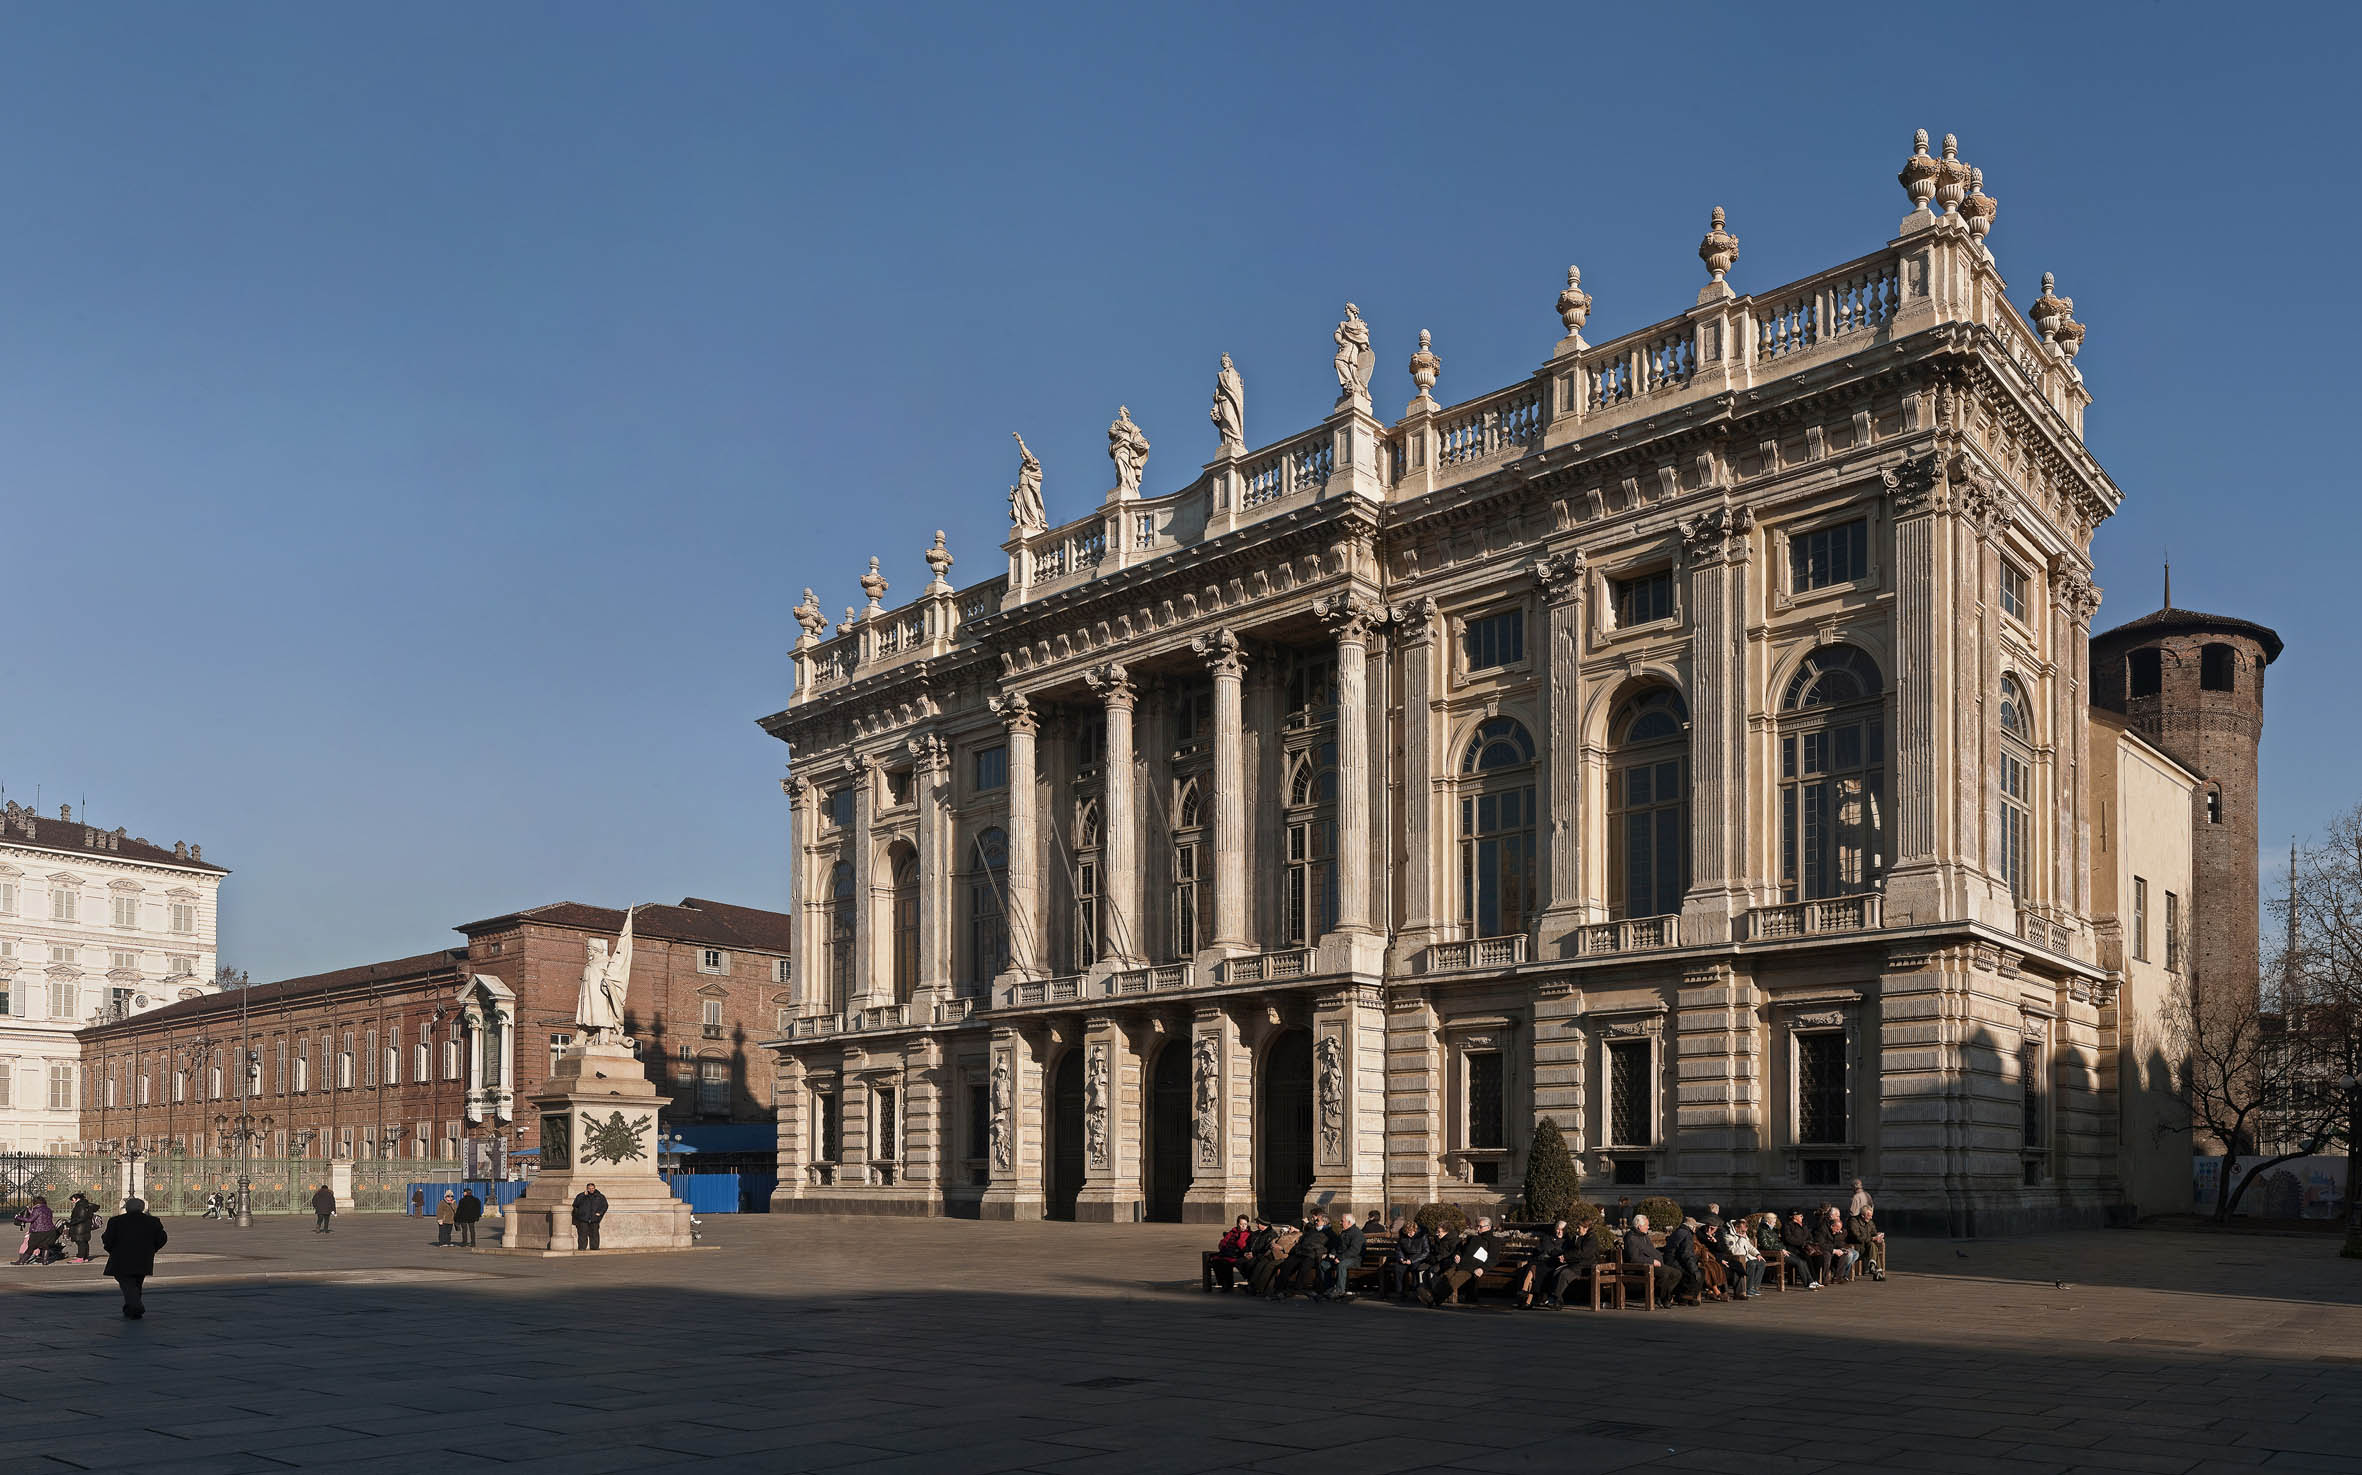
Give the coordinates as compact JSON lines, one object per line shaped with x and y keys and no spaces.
{"x":2044,"y":932}
{"x":1295,"y":962}
{"x":954,"y":1011}
{"x":1607,"y":382}
{"x":1628,"y":935}
{"x":1670,"y":361}
{"x":1511,"y":420}
{"x":1858,"y":913}
{"x":1156,"y":979}
{"x":1297,"y":466}
{"x":1506,"y":951}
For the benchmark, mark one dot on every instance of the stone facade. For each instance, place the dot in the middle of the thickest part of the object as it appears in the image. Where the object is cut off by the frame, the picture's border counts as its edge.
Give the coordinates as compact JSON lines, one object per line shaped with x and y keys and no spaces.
{"x":414,"y":1057}
{"x":94,"y":925}
{"x":1688,"y":743}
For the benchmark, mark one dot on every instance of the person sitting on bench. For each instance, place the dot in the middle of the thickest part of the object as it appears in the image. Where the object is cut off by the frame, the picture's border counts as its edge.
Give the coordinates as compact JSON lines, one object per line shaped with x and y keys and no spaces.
{"x":1302,"y":1272}
{"x":1746,"y":1263}
{"x":1829,"y":1239}
{"x":1797,"y":1239}
{"x":1267,"y":1256}
{"x":1537,"y":1282}
{"x":1406,"y":1264}
{"x":1345,"y":1247}
{"x":1230,"y":1256}
{"x":1476,"y":1251}
{"x":1681,"y":1253}
{"x":1866,"y":1236}
{"x":1640,"y":1250}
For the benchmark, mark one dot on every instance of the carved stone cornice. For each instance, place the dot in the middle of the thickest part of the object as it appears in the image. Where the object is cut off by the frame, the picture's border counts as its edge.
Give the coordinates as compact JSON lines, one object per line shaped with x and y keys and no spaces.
{"x":1222,"y":651}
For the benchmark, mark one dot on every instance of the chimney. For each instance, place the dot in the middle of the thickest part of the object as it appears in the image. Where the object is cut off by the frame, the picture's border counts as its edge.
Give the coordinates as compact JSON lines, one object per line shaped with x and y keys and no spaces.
{"x":180,"y":850}
{"x":65,"y":811}
{"x":196,"y":852}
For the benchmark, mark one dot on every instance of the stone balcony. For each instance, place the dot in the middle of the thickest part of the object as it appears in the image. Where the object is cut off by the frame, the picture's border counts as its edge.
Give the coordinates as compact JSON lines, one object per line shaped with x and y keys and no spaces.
{"x":1863,"y":912}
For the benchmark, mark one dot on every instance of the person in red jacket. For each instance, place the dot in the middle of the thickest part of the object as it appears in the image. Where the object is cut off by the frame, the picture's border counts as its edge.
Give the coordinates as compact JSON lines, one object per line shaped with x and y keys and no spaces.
{"x":1230,"y":1256}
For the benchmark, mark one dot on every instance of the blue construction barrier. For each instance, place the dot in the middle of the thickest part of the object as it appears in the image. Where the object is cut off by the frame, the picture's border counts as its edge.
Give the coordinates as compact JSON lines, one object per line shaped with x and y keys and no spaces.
{"x":509,"y":1193}
{"x":704,"y":1193}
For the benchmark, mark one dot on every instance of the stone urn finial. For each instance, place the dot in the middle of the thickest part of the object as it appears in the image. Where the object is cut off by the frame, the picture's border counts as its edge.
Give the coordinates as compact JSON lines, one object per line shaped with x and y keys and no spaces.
{"x":850,"y":622}
{"x":2050,"y":309}
{"x":1719,"y":249}
{"x":1978,"y":208}
{"x":1951,"y":175}
{"x":809,"y":616}
{"x":874,"y":585}
{"x":1919,"y":173}
{"x":939,"y":559}
{"x":1425,"y":366}
{"x":1574,"y":304}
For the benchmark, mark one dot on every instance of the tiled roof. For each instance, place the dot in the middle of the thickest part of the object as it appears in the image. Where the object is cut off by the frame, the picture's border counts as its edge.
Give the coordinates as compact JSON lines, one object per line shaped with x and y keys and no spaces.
{"x":2171,"y":621}
{"x":697,"y":920}
{"x":399,"y":970}
{"x":19,"y":825}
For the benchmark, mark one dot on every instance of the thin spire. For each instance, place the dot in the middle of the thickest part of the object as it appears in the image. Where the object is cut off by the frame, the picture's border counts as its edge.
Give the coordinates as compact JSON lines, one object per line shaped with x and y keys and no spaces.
{"x":2169,"y":578}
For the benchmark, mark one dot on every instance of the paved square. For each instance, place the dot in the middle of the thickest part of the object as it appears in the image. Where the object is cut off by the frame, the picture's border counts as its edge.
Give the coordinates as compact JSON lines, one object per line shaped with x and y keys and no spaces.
{"x":948,"y":1348}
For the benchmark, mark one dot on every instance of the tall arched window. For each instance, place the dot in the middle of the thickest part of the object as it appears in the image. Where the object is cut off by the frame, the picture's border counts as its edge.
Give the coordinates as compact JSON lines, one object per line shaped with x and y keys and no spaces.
{"x":1648,"y":804}
{"x":988,"y":893}
{"x":1089,"y":921}
{"x":1188,"y":842}
{"x":1312,"y":842}
{"x":840,"y":936}
{"x":1498,"y":860}
{"x":2017,"y":786}
{"x":1832,"y":776}
{"x":905,"y":862}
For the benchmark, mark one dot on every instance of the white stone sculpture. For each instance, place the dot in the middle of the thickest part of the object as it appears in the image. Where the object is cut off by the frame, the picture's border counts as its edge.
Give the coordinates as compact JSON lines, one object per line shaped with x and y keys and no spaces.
{"x":1004,"y":1082}
{"x":1230,"y":407}
{"x":809,"y":616}
{"x":939,"y":562}
{"x":1425,"y":366}
{"x":1127,"y":447}
{"x":1331,"y":1051}
{"x":598,"y":1003}
{"x":1574,"y":304}
{"x":1025,"y":498}
{"x":1207,"y":1083}
{"x":1095,"y":1107}
{"x":1354,"y":355}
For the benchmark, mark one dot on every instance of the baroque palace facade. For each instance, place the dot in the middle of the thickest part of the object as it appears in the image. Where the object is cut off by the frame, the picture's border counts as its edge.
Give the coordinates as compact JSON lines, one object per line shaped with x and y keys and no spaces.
{"x":1690,"y":743}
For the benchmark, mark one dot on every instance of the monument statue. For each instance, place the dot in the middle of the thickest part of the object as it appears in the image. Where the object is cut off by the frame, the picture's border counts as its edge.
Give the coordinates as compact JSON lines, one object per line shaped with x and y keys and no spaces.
{"x":1354,"y":355}
{"x":1127,"y":447}
{"x":598,"y":1005}
{"x":1025,"y":498}
{"x":1230,"y":407}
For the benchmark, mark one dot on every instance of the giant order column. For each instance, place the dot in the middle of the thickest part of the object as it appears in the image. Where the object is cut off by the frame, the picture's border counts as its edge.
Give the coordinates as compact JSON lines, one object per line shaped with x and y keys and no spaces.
{"x":1024,"y":900}
{"x":1414,"y":623}
{"x":1718,"y":542}
{"x":1560,"y":578}
{"x":1352,"y":946}
{"x":863,"y":988}
{"x":1915,"y":888}
{"x":1227,"y":660}
{"x":1121,"y":946}
{"x":932,"y":781}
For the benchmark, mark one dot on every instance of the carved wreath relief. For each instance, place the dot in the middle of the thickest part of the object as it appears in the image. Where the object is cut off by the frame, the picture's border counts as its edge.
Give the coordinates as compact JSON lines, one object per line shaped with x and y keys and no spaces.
{"x":1330,"y":1063}
{"x":1206,"y":1089}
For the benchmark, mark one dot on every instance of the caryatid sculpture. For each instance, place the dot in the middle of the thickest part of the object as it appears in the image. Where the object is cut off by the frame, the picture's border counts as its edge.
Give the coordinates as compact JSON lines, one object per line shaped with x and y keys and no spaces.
{"x":1230,"y":407}
{"x":1025,"y":498}
{"x":1127,"y":447}
{"x":1354,"y":355}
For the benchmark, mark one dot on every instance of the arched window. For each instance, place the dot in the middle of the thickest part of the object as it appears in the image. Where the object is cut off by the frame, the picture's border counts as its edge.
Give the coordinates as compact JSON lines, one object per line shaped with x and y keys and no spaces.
{"x":1832,"y":776}
{"x":1312,"y":842}
{"x":840,"y":936}
{"x":905,"y":862}
{"x":2017,"y":786}
{"x":1648,"y":804}
{"x":988,"y":891}
{"x":1088,"y":921}
{"x":1498,"y":860}
{"x":2214,"y":806}
{"x":1188,"y":843}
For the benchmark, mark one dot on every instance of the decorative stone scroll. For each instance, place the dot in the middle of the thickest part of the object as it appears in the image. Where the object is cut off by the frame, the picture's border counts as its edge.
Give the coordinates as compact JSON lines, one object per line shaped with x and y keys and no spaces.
{"x":1718,"y":535}
{"x":1914,"y":486}
{"x":1222,"y":652}
{"x":1351,"y":616}
{"x":1015,"y":712}
{"x":1329,"y":1062}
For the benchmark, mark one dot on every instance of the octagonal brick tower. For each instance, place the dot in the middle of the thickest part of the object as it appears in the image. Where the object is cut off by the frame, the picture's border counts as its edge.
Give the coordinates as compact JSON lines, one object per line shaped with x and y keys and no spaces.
{"x":2193,"y":684}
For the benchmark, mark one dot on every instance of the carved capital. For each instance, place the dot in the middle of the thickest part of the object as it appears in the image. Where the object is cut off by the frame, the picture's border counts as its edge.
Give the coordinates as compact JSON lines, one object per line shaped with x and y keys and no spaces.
{"x":1559,"y":576}
{"x":928,"y":753}
{"x":1718,"y":535}
{"x":1015,"y":712}
{"x":2073,"y":591}
{"x":1113,"y":684}
{"x":1415,"y":619}
{"x":1222,"y":652}
{"x":1351,"y":616}
{"x":1914,"y":486}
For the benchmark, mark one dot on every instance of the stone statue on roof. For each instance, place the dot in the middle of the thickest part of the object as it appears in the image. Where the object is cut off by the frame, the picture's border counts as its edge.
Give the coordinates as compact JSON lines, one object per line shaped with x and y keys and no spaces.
{"x":1127,"y":447}
{"x":1354,"y":355}
{"x":1025,"y":498}
{"x":1230,"y":407}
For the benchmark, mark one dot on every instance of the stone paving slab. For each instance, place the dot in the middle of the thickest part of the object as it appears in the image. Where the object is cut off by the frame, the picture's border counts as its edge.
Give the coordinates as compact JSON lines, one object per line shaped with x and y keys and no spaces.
{"x":879,"y":1346}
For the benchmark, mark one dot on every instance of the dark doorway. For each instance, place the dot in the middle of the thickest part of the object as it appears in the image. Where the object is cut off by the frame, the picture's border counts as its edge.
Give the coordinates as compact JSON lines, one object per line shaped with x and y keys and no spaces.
{"x":1284,"y":1162}
{"x":1168,"y":1132}
{"x":1066,"y":1136}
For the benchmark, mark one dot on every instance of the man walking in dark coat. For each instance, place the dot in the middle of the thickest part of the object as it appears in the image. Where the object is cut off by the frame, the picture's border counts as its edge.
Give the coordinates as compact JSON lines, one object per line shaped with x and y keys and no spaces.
{"x":590,"y":1206}
{"x":131,"y":1241}
{"x":81,"y":1223}
{"x":471,"y":1208}
{"x":324,"y":1205}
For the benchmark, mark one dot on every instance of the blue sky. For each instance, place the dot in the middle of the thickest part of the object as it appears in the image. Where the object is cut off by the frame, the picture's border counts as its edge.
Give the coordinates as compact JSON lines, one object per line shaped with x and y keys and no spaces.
{"x":415,"y":424}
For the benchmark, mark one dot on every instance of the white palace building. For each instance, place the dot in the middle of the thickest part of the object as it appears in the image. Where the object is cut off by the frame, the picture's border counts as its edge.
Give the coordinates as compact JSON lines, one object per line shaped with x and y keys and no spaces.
{"x":1692,"y":743}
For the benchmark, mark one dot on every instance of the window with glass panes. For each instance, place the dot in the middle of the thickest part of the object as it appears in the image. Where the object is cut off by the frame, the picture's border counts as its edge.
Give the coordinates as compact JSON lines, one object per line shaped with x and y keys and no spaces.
{"x":1820,"y":1087}
{"x":1821,"y":557}
{"x":886,"y":1124}
{"x":1311,"y":819}
{"x":1629,"y":1096}
{"x":840,"y":935}
{"x":1832,"y":776}
{"x":828,"y":1127}
{"x":1648,"y":805}
{"x":2033,"y":1088}
{"x":713,"y":1087}
{"x":1089,"y":921}
{"x":126,"y":911}
{"x":2017,"y":787}
{"x":2015,"y":598}
{"x":1486,"y":1128}
{"x":1643,"y":599}
{"x":990,"y":769}
{"x":1498,"y":859}
{"x":988,"y":929}
{"x":1494,"y":640}
{"x":2173,"y":933}
{"x":1188,"y":839}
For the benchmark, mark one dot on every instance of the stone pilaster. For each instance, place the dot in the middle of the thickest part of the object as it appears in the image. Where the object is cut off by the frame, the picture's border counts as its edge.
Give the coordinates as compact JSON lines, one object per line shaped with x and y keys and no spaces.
{"x":1026,"y":959}
{"x":1349,"y":1099}
{"x":1122,"y":946}
{"x":1225,"y":658}
{"x":1414,"y":623}
{"x":1561,"y":577}
{"x":871,"y":893}
{"x":1017,"y":1098}
{"x":1719,"y":542}
{"x":1923,"y":621}
{"x":1414,"y":1096}
{"x":1222,"y":1114}
{"x":931,"y":788}
{"x":1713,"y":1072}
{"x":1354,"y":945}
{"x":792,"y":1107}
{"x":1114,"y":1130}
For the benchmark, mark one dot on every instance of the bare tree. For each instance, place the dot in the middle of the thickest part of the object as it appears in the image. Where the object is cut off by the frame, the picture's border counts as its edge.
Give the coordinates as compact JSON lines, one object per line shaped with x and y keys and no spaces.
{"x":2231,"y":1075}
{"x":2323,"y":987}
{"x":226,"y":978}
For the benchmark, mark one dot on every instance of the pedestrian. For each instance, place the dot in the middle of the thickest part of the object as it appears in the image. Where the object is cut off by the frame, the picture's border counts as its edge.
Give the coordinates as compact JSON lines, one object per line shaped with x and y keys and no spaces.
{"x":1862,"y":1202}
{"x":446,"y":1214}
{"x":418,"y":1202}
{"x":40,"y":1226}
{"x":324,"y":1205}
{"x":590,"y":1206}
{"x":131,"y":1241}
{"x":471,"y":1208}
{"x":81,"y":1223}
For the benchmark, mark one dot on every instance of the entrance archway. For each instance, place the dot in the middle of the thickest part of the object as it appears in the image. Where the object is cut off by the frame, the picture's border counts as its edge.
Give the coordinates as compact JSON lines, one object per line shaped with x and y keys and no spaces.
{"x":1283,"y":1128}
{"x":1169,"y":1170}
{"x":1066,"y":1137}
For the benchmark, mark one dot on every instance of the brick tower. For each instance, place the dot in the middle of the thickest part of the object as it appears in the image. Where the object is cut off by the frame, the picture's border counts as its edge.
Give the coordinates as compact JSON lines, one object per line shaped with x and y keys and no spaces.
{"x":2193,"y":684}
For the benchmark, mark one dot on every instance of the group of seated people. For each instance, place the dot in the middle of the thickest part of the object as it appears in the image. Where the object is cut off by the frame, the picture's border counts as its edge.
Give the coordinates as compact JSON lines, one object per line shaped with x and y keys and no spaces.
{"x":1702,"y":1258}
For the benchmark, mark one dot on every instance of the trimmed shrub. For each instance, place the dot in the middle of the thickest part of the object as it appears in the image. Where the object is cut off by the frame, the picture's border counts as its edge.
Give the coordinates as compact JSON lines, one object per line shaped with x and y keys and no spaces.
{"x":1663,"y":1213}
{"x":1552,"y":1187}
{"x":1434,"y":1218}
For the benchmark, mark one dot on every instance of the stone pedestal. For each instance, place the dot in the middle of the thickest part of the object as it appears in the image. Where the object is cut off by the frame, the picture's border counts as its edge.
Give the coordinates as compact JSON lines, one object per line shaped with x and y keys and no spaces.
{"x":598,"y":1125}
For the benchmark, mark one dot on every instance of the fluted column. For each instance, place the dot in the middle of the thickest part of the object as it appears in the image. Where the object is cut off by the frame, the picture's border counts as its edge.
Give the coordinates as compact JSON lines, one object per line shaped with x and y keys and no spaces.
{"x":1915,"y":883}
{"x":1227,"y":660}
{"x":1123,"y":944}
{"x":1024,"y":918}
{"x":931,"y":780}
{"x":1560,"y":577}
{"x":1351,"y":616}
